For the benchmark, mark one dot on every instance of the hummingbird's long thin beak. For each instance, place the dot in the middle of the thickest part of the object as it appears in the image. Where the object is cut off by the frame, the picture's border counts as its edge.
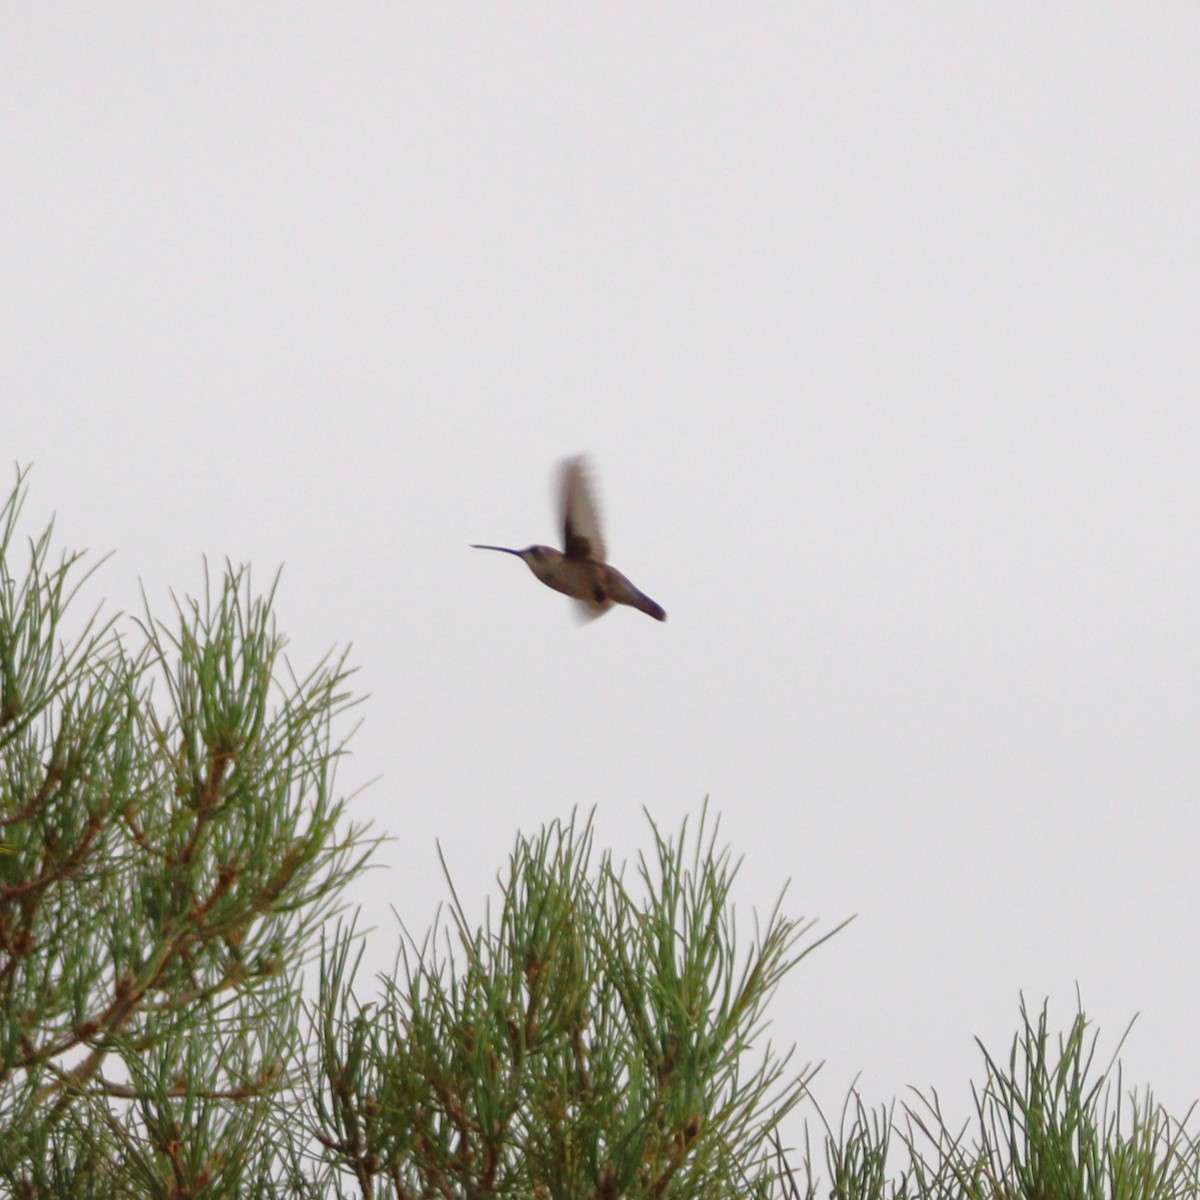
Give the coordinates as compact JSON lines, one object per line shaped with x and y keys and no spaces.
{"x":502,"y":549}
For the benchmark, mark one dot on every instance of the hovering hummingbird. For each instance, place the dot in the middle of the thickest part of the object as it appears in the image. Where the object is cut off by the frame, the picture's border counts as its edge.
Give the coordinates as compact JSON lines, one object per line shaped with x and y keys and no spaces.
{"x":579,"y":570}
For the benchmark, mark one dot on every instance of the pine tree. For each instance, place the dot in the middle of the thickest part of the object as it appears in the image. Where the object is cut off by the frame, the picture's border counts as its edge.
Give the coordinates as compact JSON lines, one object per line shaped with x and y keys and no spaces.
{"x":174,"y":859}
{"x":173,"y":848}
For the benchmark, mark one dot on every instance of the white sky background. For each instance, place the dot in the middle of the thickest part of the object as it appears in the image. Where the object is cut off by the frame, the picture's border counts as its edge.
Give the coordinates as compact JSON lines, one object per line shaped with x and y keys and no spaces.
{"x":879,"y":324}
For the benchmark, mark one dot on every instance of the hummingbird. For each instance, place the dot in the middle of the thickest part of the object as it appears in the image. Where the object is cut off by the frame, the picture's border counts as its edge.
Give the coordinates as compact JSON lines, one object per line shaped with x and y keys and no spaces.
{"x":579,"y":569}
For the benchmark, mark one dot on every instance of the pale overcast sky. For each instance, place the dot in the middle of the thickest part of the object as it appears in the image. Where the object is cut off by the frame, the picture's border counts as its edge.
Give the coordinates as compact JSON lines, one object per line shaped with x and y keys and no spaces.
{"x":879,"y":325}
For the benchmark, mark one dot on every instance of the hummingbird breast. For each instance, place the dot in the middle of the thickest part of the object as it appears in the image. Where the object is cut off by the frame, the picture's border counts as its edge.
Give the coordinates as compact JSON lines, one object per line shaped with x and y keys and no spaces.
{"x":582,"y":579}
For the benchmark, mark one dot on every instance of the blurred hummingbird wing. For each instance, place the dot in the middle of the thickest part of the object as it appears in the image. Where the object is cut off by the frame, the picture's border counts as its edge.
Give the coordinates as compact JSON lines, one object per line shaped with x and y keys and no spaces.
{"x":585,"y":612}
{"x":581,"y":525}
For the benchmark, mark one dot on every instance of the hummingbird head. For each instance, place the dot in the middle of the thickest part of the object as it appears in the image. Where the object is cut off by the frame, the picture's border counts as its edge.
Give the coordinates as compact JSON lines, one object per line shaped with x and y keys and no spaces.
{"x":539,"y":559}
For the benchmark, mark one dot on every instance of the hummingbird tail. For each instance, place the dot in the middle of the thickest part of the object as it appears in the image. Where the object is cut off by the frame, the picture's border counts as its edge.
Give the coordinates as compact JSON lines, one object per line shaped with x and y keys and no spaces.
{"x":643,"y":603}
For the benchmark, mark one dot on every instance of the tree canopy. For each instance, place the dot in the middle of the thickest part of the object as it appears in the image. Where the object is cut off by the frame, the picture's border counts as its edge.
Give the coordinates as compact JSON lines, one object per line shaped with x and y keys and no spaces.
{"x":182,"y":1013}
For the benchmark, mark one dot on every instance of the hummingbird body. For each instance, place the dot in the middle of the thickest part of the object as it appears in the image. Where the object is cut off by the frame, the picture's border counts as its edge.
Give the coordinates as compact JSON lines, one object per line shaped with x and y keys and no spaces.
{"x":580,"y":571}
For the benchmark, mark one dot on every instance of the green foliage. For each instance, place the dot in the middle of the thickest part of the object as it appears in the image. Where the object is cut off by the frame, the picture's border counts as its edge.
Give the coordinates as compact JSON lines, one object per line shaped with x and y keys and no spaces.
{"x":171,"y":851}
{"x":1047,"y":1126}
{"x":590,"y":1041}
{"x":170,"y":843}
